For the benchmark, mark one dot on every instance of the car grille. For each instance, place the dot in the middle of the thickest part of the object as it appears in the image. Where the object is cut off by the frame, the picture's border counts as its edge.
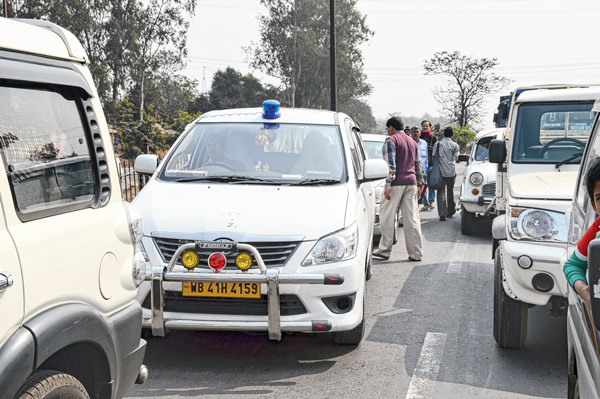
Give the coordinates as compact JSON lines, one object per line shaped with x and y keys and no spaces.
{"x":174,"y":302}
{"x":489,"y":190}
{"x":274,"y":254}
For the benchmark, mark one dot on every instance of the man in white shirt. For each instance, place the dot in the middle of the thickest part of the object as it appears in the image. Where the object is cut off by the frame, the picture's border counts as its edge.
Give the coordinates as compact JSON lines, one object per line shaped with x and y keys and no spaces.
{"x":415,"y":133}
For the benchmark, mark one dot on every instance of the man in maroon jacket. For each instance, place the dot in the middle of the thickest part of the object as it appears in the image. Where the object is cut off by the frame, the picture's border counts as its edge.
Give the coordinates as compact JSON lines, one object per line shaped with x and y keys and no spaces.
{"x":402,"y":155}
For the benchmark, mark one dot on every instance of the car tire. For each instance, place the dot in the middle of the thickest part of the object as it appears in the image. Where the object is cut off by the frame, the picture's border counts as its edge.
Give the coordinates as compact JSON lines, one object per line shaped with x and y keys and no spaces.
{"x":468,"y":222}
{"x":354,"y":336}
{"x":48,"y":384}
{"x":573,"y":387}
{"x":510,"y":316}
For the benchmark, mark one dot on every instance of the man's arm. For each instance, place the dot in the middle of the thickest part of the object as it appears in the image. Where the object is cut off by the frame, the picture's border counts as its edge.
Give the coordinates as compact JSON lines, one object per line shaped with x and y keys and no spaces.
{"x":389,"y":155}
{"x":418,"y":168}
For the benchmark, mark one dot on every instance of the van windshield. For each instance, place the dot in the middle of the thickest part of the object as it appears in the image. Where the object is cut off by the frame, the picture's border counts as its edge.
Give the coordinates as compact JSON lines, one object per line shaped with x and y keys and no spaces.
{"x":552,"y":132}
{"x":257,"y":153}
{"x":481,"y":150}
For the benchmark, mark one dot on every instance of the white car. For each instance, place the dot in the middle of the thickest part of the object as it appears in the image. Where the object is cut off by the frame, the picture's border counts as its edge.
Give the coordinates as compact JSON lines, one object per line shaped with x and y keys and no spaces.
{"x":272,"y":213}
{"x":373,"y":146}
{"x":478,"y":187}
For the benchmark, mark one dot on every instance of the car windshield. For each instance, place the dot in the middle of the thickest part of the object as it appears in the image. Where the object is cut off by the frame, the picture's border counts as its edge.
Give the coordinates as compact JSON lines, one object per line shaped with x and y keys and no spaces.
{"x":552,"y":132}
{"x":257,"y":153}
{"x":373,"y":149}
{"x":481,"y":150}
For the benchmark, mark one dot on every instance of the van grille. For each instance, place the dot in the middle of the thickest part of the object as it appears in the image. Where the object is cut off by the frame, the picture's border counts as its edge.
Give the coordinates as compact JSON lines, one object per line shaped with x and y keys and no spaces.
{"x":489,"y":190}
{"x":274,"y":254}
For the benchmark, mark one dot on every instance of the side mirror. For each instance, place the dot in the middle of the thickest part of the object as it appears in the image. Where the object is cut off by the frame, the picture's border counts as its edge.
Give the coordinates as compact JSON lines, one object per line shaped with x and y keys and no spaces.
{"x":375,"y":169}
{"x":497,"y":151}
{"x":593,"y":279}
{"x":146,"y":164}
{"x":463,"y":158}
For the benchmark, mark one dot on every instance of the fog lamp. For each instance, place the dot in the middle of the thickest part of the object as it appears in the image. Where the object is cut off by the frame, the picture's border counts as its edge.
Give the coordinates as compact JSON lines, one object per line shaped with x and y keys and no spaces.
{"x":190,"y":259}
{"x":243,"y":261}
{"x":217,"y":261}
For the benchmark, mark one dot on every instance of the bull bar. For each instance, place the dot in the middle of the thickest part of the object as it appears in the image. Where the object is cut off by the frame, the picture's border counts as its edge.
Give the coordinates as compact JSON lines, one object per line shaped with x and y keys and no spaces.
{"x":271,"y":277}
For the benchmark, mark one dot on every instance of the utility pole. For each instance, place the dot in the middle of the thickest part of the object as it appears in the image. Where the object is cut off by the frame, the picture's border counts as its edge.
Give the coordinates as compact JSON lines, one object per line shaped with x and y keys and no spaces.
{"x":332,"y":55}
{"x":5,"y":8}
{"x":203,"y":80}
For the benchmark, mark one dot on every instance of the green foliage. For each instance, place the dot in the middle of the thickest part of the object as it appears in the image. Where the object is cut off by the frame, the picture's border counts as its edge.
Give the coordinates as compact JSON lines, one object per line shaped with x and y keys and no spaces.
{"x":464,"y":137}
{"x":468,"y":82}
{"x":361,"y":113}
{"x":294,"y":47}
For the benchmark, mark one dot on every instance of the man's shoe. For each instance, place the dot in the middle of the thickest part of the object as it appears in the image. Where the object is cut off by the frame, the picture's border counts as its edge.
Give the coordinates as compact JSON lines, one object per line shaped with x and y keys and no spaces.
{"x":425,"y":208}
{"x":413,"y":259}
{"x":380,"y":256}
{"x":442,"y":218}
{"x":431,"y":207}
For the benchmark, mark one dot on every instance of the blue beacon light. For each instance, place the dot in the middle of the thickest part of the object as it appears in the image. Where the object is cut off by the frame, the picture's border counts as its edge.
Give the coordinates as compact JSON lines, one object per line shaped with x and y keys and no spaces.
{"x":271,"y":109}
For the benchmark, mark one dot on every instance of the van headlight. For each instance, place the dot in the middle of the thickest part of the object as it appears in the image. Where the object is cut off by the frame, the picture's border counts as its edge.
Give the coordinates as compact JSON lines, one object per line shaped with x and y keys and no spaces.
{"x":136,"y":230}
{"x":537,"y":225}
{"x":335,"y":247}
{"x":476,"y":178}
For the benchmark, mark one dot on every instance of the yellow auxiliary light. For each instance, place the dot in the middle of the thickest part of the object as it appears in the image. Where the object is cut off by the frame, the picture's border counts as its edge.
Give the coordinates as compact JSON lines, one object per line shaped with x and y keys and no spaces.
{"x":190,"y":259}
{"x":475,"y":191}
{"x":243,"y":261}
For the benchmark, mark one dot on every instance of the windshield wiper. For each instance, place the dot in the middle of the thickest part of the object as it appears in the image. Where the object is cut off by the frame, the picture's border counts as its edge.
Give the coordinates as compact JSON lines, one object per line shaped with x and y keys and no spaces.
{"x":572,"y":157}
{"x":226,"y":179}
{"x":307,"y":182}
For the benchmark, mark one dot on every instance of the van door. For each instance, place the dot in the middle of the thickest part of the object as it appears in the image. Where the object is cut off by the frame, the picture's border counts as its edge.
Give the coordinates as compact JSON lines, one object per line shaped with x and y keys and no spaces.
{"x":581,"y":329}
{"x":11,"y":282}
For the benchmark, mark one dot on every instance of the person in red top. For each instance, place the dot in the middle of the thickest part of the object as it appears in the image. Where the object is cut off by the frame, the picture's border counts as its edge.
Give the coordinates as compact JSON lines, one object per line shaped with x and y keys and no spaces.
{"x":575,"y":268}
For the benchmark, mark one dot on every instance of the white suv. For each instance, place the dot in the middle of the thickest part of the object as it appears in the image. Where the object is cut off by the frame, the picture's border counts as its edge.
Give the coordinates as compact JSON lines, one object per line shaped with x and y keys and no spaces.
{"x":539,"y":157}
{"x":260,"y":220}
{"x":70,"y":322}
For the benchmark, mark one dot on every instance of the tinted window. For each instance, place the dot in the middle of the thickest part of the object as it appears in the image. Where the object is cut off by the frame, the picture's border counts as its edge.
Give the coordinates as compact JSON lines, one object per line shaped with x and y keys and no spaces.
{"x":552,"y":132}
{"x":45,"y":149}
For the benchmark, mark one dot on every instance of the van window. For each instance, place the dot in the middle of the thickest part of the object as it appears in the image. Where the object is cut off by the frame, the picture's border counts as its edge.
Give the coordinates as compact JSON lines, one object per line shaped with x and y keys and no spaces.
{"x":45,"y":150}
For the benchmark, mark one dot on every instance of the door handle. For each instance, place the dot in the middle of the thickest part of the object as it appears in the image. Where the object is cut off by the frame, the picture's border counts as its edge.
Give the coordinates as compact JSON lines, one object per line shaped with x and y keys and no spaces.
{"x":6,"y":280}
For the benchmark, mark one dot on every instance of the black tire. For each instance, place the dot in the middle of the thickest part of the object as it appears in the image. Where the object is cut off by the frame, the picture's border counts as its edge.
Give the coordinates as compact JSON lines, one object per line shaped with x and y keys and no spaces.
{"x":48,"y":384}
{"x":573,"y":387}
{"x":510,"y":316}
{"x":354,"y":336}
{"x":369,"y":266}
{"x":468,"y":222}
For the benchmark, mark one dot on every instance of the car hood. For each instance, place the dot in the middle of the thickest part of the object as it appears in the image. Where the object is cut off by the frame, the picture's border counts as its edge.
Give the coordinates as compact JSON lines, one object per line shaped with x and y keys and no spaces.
{"x":241,"y":211}
{"x":543,"y":185}
{"x":488,"y":170}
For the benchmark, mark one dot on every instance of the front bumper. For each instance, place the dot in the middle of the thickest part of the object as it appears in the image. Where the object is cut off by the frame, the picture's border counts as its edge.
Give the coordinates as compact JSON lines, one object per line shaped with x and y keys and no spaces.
{"x":159,"y":320}
{"x":476,"y":204}
{"x":547,"y":260}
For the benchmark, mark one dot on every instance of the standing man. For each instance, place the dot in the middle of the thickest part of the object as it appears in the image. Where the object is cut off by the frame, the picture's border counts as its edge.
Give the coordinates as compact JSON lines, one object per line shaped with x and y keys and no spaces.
{"x":448,"y":152}
{"x":402,"y":156}
{"x":430,"y":139}
{"x":423,"y":155}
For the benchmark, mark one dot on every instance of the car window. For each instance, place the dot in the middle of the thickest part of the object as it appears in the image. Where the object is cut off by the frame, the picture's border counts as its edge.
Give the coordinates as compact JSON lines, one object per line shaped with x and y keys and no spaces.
{"x":353,"y":144}
{"x":373,"y":149}
{"x":551,"y":132}
{"x":593,"y":152}
{"x":280,"y":153}
{"x":45,"y":149}
{"x":481,"y":149}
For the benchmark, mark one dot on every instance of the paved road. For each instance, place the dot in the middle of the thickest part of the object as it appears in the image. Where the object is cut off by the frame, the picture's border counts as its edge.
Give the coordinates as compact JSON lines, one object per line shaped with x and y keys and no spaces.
{"x":429,"y":335}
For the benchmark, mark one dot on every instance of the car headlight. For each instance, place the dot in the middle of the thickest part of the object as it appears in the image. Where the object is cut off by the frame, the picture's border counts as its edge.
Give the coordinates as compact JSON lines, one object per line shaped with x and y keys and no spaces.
{"x":537,"y":225}
{"x":334,"y":248}
{"x":476,"y":178}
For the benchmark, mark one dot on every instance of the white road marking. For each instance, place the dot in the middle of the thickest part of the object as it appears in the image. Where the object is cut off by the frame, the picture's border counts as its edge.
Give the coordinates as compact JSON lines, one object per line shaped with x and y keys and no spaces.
{"x":457,"y":257}
{"x":428,"y":367}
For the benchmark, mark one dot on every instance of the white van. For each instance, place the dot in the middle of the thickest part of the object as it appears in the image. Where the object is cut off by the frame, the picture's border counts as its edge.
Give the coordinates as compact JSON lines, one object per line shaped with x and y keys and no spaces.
{"x":70,"y":325}
{"x":583,"y":324}
{"x":260,"y":220}
{"x":539,"y":159}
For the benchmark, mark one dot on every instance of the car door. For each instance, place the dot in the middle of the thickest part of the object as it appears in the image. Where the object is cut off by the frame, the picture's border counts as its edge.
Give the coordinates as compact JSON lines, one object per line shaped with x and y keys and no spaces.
{"x":11,"y":282}
{"x":581,"y":217}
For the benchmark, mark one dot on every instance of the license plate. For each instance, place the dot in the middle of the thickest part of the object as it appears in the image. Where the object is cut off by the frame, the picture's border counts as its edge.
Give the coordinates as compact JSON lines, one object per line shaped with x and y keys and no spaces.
{"x":221,"y":290}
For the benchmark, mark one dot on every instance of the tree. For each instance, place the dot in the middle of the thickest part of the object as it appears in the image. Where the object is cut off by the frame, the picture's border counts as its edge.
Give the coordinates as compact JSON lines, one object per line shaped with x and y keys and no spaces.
{"x":294,"y":47}
{"x":469,"y":81}
{"x":464,"y":137}
{"x":361,"y":113}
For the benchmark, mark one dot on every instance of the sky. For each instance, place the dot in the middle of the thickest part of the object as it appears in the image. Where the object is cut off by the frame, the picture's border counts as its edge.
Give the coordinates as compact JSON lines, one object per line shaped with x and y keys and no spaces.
{"x":534,"y":41}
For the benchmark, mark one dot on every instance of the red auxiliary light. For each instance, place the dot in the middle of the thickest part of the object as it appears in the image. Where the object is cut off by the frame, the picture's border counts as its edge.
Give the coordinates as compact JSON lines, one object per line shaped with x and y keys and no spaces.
{"x":217,"y":261}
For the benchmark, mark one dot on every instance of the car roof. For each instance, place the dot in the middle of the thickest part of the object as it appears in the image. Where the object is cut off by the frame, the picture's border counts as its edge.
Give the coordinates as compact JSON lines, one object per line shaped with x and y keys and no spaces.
{"x":373,"y":137}
{"x":288,"y":115}
{"x":488,"y":133}
{"x":590,"y":93}
{"x":40,"y":38}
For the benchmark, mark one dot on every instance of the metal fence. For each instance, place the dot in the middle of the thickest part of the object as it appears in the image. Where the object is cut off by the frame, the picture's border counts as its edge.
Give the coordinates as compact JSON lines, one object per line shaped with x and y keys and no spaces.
{"x":131,"y":181}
